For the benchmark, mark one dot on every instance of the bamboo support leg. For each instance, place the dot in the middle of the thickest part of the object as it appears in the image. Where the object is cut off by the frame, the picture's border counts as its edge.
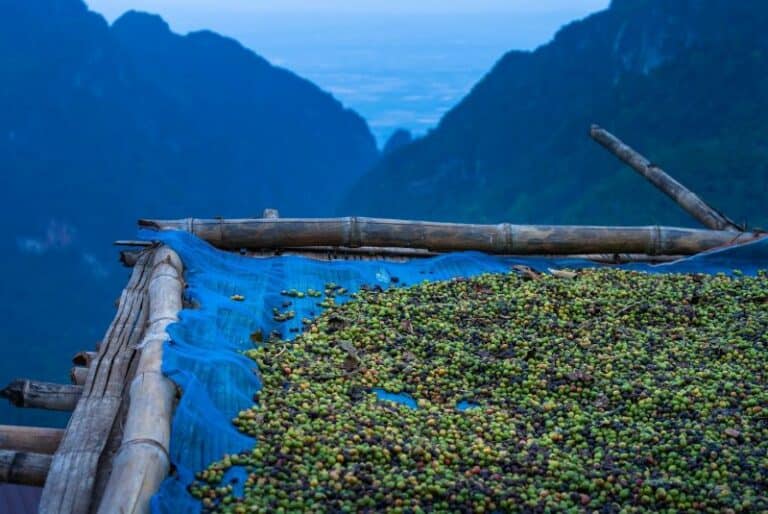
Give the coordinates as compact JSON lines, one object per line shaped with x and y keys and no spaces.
{"x":24,"y":468}
{"x":30,"y":439}
{"x":42,"y":395}
{"x":684,"y":197}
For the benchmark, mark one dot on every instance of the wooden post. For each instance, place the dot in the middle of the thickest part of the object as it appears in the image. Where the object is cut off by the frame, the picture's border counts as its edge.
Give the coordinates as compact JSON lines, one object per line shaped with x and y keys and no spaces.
{"x":42,"y":395}
{"x":142,"y":462}
{"x":69,"y":488}
{"x":30,"y":439}
{"x":446,"y":237}
{"x":24,"y":468}
{"x":685,"y":198}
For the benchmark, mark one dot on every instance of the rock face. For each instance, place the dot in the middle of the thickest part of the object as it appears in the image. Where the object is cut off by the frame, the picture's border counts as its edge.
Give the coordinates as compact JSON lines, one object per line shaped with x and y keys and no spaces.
{"x":683,"y":81}
{"x":104,"y":124}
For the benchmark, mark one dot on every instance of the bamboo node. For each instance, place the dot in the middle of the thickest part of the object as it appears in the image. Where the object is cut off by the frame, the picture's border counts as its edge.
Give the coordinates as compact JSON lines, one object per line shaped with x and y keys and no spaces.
{"x":353,"y":236}
{"x":14,"y":392}
{"x":655,"y":241}
{"x":506,"y":237}
{"x":150,"y":442}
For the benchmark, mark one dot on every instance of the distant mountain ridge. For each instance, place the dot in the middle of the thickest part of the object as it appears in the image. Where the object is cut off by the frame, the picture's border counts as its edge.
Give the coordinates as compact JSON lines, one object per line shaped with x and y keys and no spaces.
{"x":285,"y":126}
{"x":103,"y":124}
{"x":138,"y":100}
{"x":683,"y":81}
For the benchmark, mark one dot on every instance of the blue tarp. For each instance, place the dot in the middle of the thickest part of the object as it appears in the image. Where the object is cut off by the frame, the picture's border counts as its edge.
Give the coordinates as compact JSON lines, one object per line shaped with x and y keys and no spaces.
{"x":204,"y":356}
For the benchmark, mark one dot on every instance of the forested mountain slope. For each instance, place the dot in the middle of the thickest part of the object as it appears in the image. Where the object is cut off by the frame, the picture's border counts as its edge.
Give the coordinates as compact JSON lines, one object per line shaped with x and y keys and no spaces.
{"x":683,"y":81}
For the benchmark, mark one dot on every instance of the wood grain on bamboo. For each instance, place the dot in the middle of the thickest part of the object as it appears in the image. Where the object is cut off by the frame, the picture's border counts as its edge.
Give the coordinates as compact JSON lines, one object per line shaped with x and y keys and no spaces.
{"x":142,"y":462}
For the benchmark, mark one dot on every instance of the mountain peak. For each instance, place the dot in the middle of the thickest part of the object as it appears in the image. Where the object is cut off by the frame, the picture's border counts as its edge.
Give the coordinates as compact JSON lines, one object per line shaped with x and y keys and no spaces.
{"x":141,"y":24}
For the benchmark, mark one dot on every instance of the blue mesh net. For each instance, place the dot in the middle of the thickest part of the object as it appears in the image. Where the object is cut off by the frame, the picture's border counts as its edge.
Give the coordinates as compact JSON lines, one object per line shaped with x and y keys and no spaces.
{"x":204,"y":356}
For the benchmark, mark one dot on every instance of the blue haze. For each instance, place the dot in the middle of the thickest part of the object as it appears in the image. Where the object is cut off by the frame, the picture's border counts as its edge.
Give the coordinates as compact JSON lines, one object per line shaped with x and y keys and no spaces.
{"x":398,"y":69}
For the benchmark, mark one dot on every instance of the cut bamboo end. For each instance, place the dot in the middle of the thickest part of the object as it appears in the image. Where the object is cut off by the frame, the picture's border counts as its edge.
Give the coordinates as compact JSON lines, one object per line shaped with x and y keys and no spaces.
{"x":84,"y":359}
{"x":449,"y":237}
{"x":684,"y":197}
{"x":78,"y":375}
{"x":30,"y":439}
{"x":24,"y":468}
{"x":42,"y":395}
{"x":142,"y":461}
{"x":129,"y":258}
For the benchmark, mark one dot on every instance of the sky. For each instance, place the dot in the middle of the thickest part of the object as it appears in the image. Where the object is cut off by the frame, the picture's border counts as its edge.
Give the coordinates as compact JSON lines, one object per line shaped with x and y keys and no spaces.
{"x":112,"y":7}
{"x":399,"y":63}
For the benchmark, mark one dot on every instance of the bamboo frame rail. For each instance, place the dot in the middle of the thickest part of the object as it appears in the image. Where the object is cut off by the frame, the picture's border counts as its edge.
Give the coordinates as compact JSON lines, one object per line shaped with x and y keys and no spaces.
{"x":69,"y":488}
{"x":24,"y":468}
{"x":330,"y":253}
{"x":504,"y":238}
{"x":42,"y":395}
{"x":625,"y":258}
{"x":30,"y":439}
{"x":127,"y":242}
{"x":142,"y":461}
{"x":685,"y":198}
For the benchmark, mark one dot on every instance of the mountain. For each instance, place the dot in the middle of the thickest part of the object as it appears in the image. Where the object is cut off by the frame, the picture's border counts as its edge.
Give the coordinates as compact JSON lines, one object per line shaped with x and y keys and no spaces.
{"x":104,"y":124}
{"x":397,"y":140}
{"x":683,"y":81}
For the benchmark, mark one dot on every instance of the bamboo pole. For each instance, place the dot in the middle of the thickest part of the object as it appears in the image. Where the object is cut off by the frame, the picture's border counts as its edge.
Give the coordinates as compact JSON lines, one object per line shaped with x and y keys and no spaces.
{"x":141,"y":244}
{"x":30,"y":439}
{"x":372,"y":251}
{"x":445,"y":237}
{"x":334,"y":253}
{"x":24,"y":468}
{"x":684,"y":197}
{"x":78,"y":375}
{"x":104,"y":470}
{"x":625,"y":258}
{"x":42,"y":395}
{"x":142,"y":462}
{"x":69,"y":488}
